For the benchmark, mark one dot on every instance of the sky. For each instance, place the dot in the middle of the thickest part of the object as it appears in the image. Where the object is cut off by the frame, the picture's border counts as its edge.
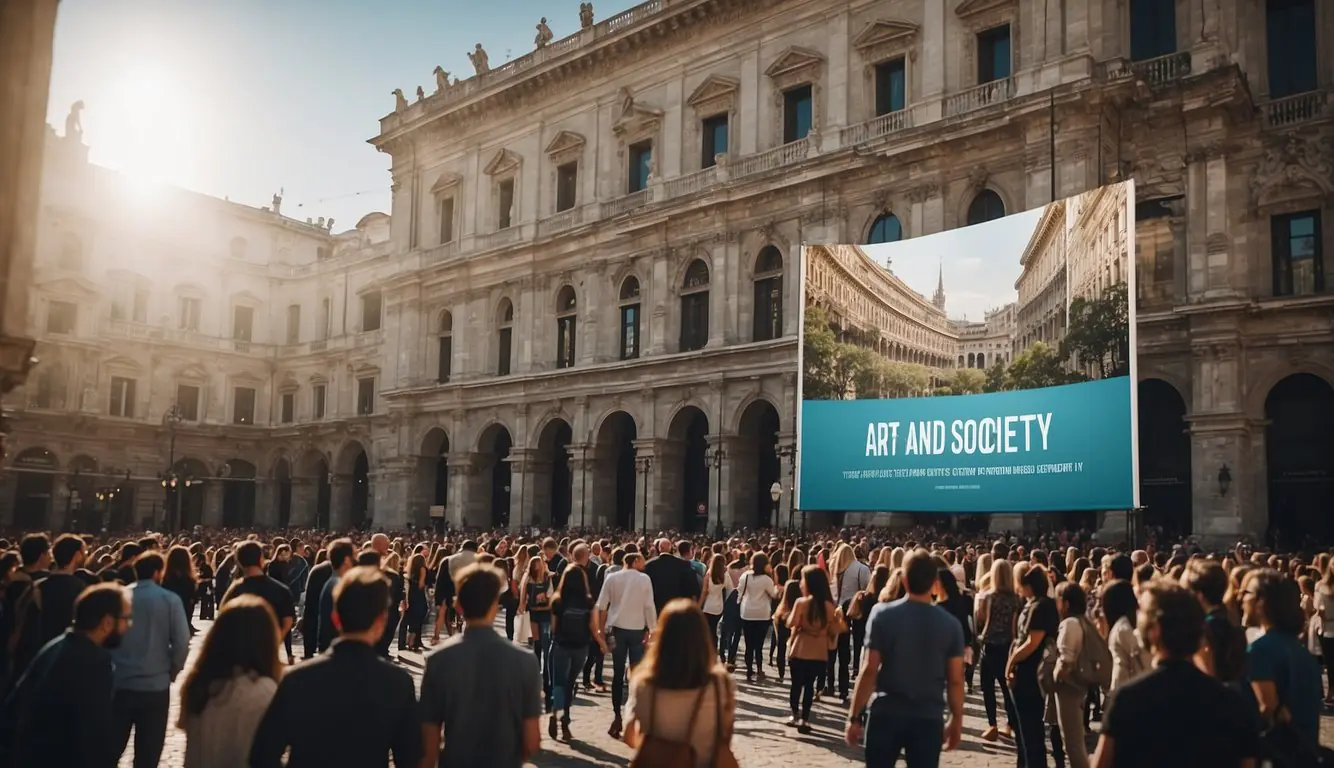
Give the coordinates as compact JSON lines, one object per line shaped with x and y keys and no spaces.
{"x":242,"y":98}
{"x":980,"y":263}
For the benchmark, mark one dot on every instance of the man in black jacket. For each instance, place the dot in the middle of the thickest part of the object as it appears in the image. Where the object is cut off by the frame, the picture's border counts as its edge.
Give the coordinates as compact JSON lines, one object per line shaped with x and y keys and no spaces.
{"x":310,"y":615}
{"x":349,"y":706}
{"x":671,"y":574}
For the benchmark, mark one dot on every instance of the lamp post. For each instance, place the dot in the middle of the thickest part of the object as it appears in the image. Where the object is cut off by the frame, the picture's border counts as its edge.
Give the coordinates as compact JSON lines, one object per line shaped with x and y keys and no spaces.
{"x":71,"y":496}
{"x":775,"y":493}
{"x":789,"y":452}
{"x":172,"y":418}
{"x":645,"y":464}
{"x":583,"y":485}
{"x":719,"y":455}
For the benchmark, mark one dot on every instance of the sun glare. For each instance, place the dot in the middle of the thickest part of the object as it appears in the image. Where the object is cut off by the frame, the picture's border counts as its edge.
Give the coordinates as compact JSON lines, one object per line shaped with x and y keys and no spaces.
{"x":145,"y":126}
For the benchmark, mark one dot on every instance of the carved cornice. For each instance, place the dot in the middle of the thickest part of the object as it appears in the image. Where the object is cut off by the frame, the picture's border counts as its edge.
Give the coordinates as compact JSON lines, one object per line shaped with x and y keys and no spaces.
{"x":924,"y":192}
{"x":565,"y":142}
{"x":1298,"y":169}
{"x":795,"y":64}
{"x":446,"y":182}
{"x":504,"y":161}
{"x":971,"y":8}
{"x":714,"y":88}
{"x":884,"y":38}
{"x":635,"y":117}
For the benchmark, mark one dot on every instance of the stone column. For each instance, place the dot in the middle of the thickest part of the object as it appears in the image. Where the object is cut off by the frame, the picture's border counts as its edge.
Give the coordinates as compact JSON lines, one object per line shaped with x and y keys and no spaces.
{"x":393,"y":494}
{"x":581,"y":485}
{"x":305,"y":500}
{"x":732,"y":482}
{"x":340,"y":502}
{"x":214,"y":491}
{"x":521,"y":488}
{"x":648,"y":490}
{"x":465,"y":506}
{"x":266,"y":502}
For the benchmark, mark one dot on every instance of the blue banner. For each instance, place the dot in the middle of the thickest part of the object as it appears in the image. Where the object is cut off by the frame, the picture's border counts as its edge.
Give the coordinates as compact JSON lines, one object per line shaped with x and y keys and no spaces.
{"x":1055,"y":448}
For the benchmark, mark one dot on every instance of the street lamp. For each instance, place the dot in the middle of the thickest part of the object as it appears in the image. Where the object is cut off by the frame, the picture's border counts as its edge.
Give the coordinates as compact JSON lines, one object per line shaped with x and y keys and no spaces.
{"x":775,"y":493}
{"x":645,"y":464}
{"x":719,"y":455}
{"x":172,"y":418}
{"x":583,"y":485}
{"x":789,"y":452}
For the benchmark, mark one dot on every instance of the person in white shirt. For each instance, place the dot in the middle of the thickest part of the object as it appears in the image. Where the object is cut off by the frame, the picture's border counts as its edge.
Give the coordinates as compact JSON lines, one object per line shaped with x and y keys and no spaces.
{"x":758,"y":591}
{"x":717,"y":585}
{"x":627,"y":615}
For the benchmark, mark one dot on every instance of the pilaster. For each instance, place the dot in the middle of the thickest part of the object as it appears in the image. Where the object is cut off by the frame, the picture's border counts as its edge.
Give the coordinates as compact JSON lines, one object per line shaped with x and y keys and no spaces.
{"x":392,"y":495}
{"x":213,"y":494}
{"x":582,"y":467}
{"x":522,"y":502}
{"x":465,"y":506}
{"x":305,"y":501}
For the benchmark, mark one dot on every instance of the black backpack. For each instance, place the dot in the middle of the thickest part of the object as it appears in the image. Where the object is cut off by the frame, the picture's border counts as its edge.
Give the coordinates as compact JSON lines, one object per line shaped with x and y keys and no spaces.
{"x":572,"y":628}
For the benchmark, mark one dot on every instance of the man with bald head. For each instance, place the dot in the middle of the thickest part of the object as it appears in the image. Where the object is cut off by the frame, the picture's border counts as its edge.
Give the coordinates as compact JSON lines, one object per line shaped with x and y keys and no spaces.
{"x":380,"y":543}
{"x":671,"y":573}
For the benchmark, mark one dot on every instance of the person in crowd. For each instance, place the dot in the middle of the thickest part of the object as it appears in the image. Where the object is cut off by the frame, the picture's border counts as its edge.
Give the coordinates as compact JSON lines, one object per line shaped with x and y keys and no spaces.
{"x":1038,"y":623}
{"x":859,"y":612}
{"x":51,"y":600}
{"x":313,"y":713}
{"x":342,"y":558}
{"x":1324,"y":608}
{"x":61,"y":711}
{"x":573,"y":631}
{"x":814,"y":624}
{"x":1068,"y":691}
{"x":782,"y":634}
{"x":913,"y":667}
{"x":417,"y":604}
{"x":626,"y":616}
{"x":481,"y":692}
{"x":150,"y":656}
{"x":320,"y":573}
{"x":182,"y":581}
{"x":253,"y":581}
{"x":757,"y":590}
{"x":730,"y":625}
{"x":1283,"y":675}
{"x":952,"y":599}
{"x":671,"y":573}
{"x":713,"y":594}
{"x":232,"y":681}
{"x":996,"y":613}
{"x":680,"y":693}
{"x":1120,"y":609}
{"x":208,"y":601}
{"x":1174,"y":715}
{"x":848,"y":576}
{"x":535,"y":595}
{"x":35,"y":559}
{"x":392,"y":568}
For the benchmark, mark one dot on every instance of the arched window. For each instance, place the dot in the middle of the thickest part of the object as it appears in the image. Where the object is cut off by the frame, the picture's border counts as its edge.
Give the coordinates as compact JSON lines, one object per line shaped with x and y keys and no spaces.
{"x":885,"y":229}
{"x":768,"y":320}
{"x":987,"y":206}
{"x":445,"y":364}
{"x":565,"y":317}
{"x":505,"y":337}
{"x":695,"y":307}
{"x":629,"y":298}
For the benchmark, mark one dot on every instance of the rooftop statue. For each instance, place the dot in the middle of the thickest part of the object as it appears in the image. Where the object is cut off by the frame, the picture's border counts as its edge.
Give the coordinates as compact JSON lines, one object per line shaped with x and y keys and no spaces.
{"x":544,"y":35}
{"x":441,"y":80}
{"x":585,"y":15}
{"x":400,"y":103}
{"x":74,"y":123}
{"x":479,"y":60}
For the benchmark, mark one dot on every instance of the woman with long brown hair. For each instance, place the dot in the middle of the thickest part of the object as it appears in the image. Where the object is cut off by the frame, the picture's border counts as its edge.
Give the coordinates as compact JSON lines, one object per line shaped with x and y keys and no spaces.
{"x":815,"y":624}
{"x":416,"y":613}
{"x":180,"y":578}
{"x":231,"y":684}
{"x":679,"y":693}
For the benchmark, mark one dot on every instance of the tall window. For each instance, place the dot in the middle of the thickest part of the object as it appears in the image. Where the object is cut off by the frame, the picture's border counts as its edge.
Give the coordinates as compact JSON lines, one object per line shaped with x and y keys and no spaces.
{"x":188,"y":314}
{"x":641,"y":165}
{"x":768,"y":320}
{"x":243,"y":323}
{"x":993,"y":54}
{"x":891,"y":89}
{"x":122,"y":397}
{"x":446,"y":214}
{"x":885,"y":229}
{"x":567,"y":186}
{"x":366,"y":396}
{"x":187,"y":401}
{"x":565,"y":327}
{"x":62,"y":317}
{"x":371,"y":306}
{"x":630,"y":318}
{"x":445,"y":363}
{"x":504,"y":338}
{"x":714,"y":133}
{"x":798,"y":113}
{"x":1299,"y":268}
{"x":326,"y":318}
{"x":1290,"y":27}
{"x":695,"y":307}
{"x":243,"y":405}
{"x":317,"y":393}
{"x":505,"y":195}
{"x":987,"y":206}
{"x":288,"y":407}
{"x":1153,"y":28}
{"x":293,"y":323}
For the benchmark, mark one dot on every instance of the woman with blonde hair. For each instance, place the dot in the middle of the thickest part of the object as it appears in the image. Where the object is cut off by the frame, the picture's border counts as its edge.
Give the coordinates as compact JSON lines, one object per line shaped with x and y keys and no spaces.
{"x":996,"y":613}
{"x":681,"y":695}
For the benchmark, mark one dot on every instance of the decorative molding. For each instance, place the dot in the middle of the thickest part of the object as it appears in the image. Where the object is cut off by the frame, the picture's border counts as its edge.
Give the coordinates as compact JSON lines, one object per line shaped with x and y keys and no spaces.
{"x":445,"y":183}
{"x":794,"y":61}
{"x":714,"y":87}
{"x":793,"y":68}
{"x":971,"y":8}
{"x":883,"y":31}
{"x":924,"y":192}
{"x":1298,"y":170}
{"x":634,"y":117}
{"x":565,"y":142}
{"x":504,"y":162}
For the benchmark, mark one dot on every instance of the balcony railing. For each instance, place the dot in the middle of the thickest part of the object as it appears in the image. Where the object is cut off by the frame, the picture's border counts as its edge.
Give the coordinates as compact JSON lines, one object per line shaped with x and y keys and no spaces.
{"x":979,"y":96}
{"x":690,"y":183}
{"x":440,"y":252}
{"x":559,"y":222}
{"x":1293,"y":110}
{"x":498,"y":238}
{"x":1157,"y":71}
{"x":876,"y":127}
{"x":625,"y":203}
{"x":777,"y":157}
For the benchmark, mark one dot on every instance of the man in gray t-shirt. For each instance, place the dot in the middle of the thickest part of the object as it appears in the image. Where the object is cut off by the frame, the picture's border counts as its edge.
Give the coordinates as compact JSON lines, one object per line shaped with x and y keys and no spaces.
{"x":482,"y":690}
{"x":914,"y":667}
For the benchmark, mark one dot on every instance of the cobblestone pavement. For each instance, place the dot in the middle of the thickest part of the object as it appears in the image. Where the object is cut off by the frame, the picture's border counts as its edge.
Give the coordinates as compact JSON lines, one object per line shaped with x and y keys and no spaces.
{"x":761,"y":740}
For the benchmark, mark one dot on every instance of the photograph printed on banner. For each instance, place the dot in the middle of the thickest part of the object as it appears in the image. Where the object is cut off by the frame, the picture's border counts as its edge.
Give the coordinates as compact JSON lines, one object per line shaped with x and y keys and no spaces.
{"x":1036,"y":299}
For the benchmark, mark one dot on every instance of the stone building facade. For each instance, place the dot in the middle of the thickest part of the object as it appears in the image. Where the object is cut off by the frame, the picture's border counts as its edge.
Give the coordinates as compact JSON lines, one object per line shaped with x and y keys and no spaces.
{"x":1040,"y":314}
{"x":602,"y":236}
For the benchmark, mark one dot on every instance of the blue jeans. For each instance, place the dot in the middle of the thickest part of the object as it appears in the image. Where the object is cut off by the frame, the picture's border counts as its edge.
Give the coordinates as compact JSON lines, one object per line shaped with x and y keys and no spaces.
{"x":541,"y":633}
{"x":565,"y":666}
{"x":917,"y":739}
{"x":629,"y":644}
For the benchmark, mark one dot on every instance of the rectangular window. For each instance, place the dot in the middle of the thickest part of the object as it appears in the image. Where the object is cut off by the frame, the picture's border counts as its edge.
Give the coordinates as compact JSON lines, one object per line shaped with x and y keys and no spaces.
{"x":187,"y":401}
{"x":768,"y":321}
{"x":714,"y":130}
{"x":641,"y":164}
{"x":797,"y":113}
{"x":567,"y":186}
{"x":61,"y":317}
{"x":891,"y":90}
{"x":243,"y":405}
{"x":565,"y":342}
{"x":1290,"y":27}
{"x":1153,"y":28}
{"x":326,"y":318}
{"x":993,"y":54}
{"x":243,"y":323}
{"x":317,"y":398}
{"x":629,"y":331}
{"x":293,"y":323}
{"x":188,"y":312}
{"x":446,"y":363}
{"x":446,"y":214}
{"x":694,"y":321}
{"x":1299,"y":268}
{"x":505,"y":214}
{"x":506,"y":341}
{"x":289,"y":407}
{"x":366,"y":396}
{"x":122,"y":397}
{"x":140,"y":314}
{"x":370,"y":311}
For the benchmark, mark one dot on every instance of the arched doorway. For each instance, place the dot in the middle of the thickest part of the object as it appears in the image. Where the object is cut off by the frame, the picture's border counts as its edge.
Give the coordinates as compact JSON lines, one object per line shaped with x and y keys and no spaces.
{"x":689,"y":435}
{"x":87,"y":513}
{"x":34,"y":488}
{"x":756,"y":466}
{"x":312,"y":491}
{"x":238,"y":494}
{"x":556,"y":494}
{"x":1299,"y":447}
{"x":1164,"y":458}
{"x":614,"y":473}
{"x":351,"y":487}
{"x":361,"y":491}
{"x":433,"y":474}
{"x":495,"y":445}
{"x":188,"y":497}
{"x":282,"y":476}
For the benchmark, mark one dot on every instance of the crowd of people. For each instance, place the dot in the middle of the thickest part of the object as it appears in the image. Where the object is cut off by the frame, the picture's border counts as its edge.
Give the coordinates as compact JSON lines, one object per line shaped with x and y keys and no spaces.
{"x":1162,"y":656}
